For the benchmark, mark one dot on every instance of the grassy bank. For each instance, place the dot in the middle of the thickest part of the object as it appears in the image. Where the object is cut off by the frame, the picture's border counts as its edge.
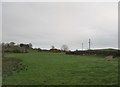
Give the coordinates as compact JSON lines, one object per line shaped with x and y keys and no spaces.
{"x":45,"y":68}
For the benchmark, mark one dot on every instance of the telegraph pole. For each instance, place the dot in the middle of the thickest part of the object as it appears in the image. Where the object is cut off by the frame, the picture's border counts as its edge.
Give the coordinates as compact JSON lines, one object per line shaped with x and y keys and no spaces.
{"x":82,"y":46}
{"x":89,"y":44}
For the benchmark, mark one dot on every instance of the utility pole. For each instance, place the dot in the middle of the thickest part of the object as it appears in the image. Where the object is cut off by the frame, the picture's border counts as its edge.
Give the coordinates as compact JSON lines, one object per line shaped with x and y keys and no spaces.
{"x":89,"y":44}
{"x":82,"y":46}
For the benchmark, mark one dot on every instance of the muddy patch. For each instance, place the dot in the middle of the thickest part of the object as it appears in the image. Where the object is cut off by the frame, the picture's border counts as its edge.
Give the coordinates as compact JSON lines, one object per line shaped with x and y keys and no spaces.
{"x":12,"y":65}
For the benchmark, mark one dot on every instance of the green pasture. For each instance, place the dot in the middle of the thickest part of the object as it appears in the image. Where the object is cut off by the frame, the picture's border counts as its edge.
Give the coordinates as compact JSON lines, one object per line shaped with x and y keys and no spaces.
{"x":45,"y":68}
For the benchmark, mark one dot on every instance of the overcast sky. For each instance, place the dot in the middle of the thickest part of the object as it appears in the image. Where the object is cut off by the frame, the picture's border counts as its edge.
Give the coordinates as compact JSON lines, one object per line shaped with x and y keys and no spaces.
{"x":50,"y":23}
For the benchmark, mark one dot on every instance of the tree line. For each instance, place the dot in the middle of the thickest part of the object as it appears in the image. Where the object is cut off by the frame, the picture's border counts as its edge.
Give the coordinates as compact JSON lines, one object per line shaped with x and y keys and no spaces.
{"x":64,"y":48}
{"x":16,"y":48}
{"x":12,"y":47}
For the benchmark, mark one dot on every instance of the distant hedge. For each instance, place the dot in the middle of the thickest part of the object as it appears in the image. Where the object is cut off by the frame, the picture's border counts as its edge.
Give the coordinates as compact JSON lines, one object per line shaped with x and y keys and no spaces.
{"x":114,"y":53}
{"x":15,"y":50}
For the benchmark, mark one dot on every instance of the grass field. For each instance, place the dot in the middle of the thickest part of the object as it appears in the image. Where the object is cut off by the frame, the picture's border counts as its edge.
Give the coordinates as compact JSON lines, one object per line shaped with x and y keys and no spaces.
{"x":45,"y":68}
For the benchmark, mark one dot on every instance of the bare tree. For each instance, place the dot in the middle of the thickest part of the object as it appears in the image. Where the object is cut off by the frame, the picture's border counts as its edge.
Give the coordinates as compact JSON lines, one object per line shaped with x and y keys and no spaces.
{"x":64,"y":48}
{"x":52,"y":47}
{"x":30,"y":45}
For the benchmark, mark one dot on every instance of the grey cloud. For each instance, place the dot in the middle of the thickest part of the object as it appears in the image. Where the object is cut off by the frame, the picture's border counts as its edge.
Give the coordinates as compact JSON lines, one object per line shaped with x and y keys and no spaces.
{"x":46,"y":24}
